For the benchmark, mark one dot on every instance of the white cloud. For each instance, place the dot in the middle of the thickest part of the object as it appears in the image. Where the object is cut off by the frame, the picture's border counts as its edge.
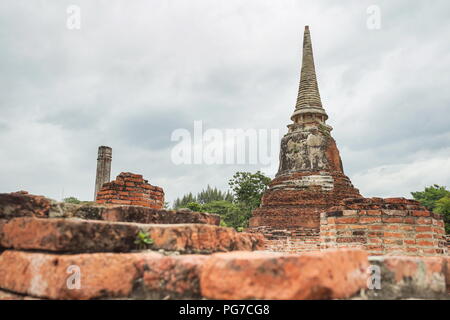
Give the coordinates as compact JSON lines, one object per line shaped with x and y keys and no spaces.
{"x":401,"y":179}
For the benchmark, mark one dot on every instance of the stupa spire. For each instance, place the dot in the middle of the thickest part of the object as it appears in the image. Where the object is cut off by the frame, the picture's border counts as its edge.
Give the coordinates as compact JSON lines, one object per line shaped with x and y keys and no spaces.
{"x":308,"y":99}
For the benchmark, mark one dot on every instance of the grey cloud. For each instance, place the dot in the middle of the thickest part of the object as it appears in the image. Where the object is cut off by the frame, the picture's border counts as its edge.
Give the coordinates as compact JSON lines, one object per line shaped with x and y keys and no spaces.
{"x":137,"y":71}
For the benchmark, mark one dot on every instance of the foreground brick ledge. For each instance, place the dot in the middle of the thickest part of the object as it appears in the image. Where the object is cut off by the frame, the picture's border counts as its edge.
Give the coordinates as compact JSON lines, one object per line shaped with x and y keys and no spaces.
{"x":333,"y":274}
{"x":143,"y":275}
{"x":45,"y":275}
{"x":411,"y":277}
{"x":75,"y":235}
{"x":154,"y":276}
{"x":23,"y":204}
{"x":174,"y":277}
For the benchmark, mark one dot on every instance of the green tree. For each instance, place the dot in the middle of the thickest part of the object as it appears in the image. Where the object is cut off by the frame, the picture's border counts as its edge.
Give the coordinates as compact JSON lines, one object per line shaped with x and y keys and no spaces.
{"x":194,"y":206}
{"x":237,"y":217}
{"x":430,"y":195}
{"x":182,"y":203}
{"x":213,"y":194}
{"x":437,"y":199}
{"x":71,"y":200}
{"x":443,"y":207}
{"x":220,"y":207}
{"x":235,"y":208}
{"x":205,"y":196}
{"x":248,"y":188}
{"x":232,"y":215}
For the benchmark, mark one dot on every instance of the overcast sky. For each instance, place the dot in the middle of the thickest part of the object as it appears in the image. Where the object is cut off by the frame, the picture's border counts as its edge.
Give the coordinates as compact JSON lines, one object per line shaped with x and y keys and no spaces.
{"x":138,"y":70}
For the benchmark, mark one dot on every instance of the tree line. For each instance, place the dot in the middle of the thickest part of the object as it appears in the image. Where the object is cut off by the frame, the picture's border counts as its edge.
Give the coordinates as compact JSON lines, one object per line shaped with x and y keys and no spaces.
{"x":234,"y":207}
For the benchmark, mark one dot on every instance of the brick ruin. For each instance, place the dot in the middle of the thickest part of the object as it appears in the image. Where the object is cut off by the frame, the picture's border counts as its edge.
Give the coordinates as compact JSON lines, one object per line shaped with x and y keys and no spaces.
{"x":45,"y":244}
{"x":383,"y":227}
{"x":329,"y":237}
{"x":311,"y":182}
{"x":131,"y":189}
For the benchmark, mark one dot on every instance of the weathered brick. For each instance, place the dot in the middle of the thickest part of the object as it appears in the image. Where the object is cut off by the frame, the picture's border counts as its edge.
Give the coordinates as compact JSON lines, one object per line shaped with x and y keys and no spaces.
{"x":151,"y":215}
{"x":171,"y":277}
{"x":22,"y":204}
{"x":261,"y":275}
{"x":421,"y":213}
{"x":409,"y":277}
{"x":131,"y":189}
{"x":71,"y":235}
{"x":392,"y":220}
{"x":424,"y":243}
{"x":102,"y":275}
{"x":369,"y":220}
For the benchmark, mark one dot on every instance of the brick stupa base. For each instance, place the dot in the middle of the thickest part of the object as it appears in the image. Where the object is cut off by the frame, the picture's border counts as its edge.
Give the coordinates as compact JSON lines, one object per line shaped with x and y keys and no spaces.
{"x":131,"y":189}
{"x":289,"y":216}
{"x":296,"y":200}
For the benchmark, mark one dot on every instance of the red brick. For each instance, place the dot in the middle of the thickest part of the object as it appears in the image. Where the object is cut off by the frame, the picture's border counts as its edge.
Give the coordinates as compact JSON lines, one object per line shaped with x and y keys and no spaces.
{"x":346,"y":220}
{"x":414,"y":268}
{"x":424,"y":243}
{"x":154,"y":216}
{"x":20,"y":204}
{"x":422,"y":213}
{"x":67,"y":235}
{"x":423,"y":229}
{"x":447,"y":272}
{"x":131,"y":189}
{"x":45,"y":275}
{"x":261,"y":275}
{"x":392,"y":220}
{"x":393,"y":235}
{"x":424,"y":236}
{"x":172,"y":276}
{"x":423,"y":221}
{"x":393,"y":241}
{"x":369,"y":220}
{"x":410,"y":220}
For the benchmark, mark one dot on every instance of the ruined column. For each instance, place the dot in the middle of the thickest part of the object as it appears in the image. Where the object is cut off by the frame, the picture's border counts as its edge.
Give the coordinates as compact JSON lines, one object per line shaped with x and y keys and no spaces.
{"x":103,"y":168}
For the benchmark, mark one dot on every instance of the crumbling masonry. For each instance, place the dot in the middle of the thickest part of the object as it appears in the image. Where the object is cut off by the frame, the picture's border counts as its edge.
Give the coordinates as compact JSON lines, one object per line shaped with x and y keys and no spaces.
{"x":131,"y":189}
{"x":311,"y":181}
{"x":125,"y":246}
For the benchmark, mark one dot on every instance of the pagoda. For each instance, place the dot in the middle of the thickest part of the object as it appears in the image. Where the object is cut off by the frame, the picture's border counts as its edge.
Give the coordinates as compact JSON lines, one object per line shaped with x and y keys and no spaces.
{"x":310,"y":177}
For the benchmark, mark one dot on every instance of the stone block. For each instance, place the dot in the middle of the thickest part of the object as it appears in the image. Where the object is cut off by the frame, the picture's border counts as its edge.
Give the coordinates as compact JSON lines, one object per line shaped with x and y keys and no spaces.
{"x":331,"y":274}
{"x":75,"y":235}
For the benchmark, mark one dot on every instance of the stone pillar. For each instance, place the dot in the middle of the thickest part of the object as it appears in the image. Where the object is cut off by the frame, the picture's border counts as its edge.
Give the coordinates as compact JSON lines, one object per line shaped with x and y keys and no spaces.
{"x":103,"y":168}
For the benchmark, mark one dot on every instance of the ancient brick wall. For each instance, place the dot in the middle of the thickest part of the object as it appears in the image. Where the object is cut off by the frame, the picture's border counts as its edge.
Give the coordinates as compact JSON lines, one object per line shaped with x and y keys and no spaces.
{"x":393,"y":226}
{"x":290,"y":240}
{"x":39,"y":253}
{"x":131,"y":189}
